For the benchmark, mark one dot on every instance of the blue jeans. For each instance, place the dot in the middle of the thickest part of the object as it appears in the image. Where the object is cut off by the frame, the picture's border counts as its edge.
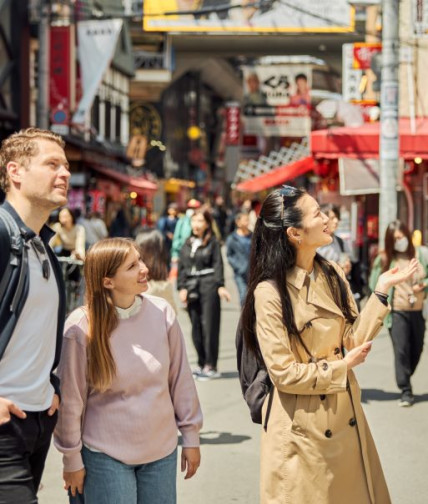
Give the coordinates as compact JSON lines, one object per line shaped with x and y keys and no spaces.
{"x":109,"y":481}
{"x":241,"y":283}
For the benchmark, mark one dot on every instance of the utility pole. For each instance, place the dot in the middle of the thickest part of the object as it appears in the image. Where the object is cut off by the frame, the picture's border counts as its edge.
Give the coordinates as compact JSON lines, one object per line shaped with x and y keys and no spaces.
{"x":389,"y":149}
{"x":43,"y":66}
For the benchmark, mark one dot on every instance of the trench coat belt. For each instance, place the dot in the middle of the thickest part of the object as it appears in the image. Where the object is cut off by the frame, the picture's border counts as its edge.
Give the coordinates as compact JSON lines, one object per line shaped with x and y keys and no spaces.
{"x":202,"y":272}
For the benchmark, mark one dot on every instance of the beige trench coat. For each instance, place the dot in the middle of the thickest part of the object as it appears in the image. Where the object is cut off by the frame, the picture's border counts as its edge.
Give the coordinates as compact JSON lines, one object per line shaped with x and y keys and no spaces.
{"x":317,"y":447}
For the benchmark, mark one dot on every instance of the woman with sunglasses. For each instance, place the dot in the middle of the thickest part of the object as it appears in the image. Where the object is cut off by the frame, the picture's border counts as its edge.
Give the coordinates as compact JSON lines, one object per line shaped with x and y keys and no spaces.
{"x":300,"y":318}
{"x":126,"y":387}
{"x":406,"y":324}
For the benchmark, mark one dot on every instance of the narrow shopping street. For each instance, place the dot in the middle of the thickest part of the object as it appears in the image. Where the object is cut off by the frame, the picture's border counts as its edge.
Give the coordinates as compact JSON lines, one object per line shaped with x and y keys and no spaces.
{"x":229,"y":471}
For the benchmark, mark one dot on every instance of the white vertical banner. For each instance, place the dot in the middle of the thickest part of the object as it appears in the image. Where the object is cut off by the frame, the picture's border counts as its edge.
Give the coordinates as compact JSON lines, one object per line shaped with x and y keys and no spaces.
{"x":97,"y":43}
{"x":351,"y":77}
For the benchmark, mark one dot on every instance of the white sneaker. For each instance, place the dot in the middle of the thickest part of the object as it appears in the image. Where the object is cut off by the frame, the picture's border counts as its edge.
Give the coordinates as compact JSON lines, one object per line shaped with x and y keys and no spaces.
{"x":209,"y":374}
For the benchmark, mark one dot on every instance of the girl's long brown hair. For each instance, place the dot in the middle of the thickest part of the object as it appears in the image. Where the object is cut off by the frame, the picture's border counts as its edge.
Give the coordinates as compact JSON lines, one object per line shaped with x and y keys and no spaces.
{"x":102,"y":260}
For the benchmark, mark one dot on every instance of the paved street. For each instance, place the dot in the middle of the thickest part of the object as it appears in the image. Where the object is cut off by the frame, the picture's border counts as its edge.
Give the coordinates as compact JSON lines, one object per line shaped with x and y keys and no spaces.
{"x":230,"y":442}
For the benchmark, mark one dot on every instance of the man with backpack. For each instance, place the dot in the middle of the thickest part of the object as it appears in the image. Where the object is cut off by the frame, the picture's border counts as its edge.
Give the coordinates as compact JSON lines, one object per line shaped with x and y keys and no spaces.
{"x":34,"y":175}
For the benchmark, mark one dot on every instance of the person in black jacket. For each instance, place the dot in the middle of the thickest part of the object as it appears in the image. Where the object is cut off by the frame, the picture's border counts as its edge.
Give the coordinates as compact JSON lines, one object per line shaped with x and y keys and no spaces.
{"x":34,"y":174}
{"x":201,"y":285}
{"x":238,"y":245}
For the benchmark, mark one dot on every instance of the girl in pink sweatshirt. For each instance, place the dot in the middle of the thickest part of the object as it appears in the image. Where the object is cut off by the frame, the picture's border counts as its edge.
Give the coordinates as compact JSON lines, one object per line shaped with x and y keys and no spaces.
{"x":126,"y":387}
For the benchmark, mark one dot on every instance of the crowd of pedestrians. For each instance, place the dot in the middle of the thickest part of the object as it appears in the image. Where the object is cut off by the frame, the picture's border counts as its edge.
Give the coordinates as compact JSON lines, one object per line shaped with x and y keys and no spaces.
{"x":119,"y":362}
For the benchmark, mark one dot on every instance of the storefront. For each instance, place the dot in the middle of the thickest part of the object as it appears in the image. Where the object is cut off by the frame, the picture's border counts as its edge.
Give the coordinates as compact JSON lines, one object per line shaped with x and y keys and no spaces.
{"x":336,"y":147}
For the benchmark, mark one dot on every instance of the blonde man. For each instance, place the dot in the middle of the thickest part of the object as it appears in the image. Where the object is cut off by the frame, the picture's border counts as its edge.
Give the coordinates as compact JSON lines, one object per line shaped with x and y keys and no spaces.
{"x":34,"y":175}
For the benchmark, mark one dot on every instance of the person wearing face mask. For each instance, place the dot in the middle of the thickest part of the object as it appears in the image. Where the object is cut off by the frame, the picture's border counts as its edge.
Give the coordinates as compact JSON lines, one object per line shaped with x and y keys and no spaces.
{"x":406,"y":324}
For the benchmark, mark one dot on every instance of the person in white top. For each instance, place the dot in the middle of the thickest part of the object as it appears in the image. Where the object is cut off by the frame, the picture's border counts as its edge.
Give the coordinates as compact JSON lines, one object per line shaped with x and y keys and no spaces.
{"x":126,"y":387}
{"x":34,"y":174}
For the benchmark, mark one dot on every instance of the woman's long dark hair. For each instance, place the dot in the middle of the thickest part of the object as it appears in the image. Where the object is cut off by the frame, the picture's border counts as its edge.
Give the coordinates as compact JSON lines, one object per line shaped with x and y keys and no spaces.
{"x":153,"y":253}
{"x":390,"y":253}
{"x":273,"y":256}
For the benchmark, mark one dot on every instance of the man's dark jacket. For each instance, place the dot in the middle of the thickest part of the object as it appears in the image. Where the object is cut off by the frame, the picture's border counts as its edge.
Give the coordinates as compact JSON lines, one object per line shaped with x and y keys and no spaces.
{"x":8,"y":320}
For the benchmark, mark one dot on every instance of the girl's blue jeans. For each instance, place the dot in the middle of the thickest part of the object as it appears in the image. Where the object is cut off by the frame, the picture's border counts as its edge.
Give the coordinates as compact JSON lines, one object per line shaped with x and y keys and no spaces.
{"x":109,"y":481}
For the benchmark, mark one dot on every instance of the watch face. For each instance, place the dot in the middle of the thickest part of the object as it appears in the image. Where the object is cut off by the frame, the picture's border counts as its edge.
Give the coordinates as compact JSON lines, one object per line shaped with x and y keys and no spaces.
{"x":144,"y":120}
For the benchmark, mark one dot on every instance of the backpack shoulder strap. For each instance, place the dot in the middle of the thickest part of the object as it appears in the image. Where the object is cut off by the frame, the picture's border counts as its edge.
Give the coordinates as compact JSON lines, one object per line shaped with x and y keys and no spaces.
{"x":16,"y":248}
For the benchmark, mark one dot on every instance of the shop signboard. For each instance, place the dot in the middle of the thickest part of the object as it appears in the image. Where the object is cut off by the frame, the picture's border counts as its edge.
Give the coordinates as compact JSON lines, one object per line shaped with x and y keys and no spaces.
{"x":235,"y":16}
{"x":361,"y":176}
{"x":360,"y":72}
{"x":276,"y":100}
{"x":61,"y":77}
{"x":96,"y":201}
{"x":233,"y":119}
{"x":76,"y":199}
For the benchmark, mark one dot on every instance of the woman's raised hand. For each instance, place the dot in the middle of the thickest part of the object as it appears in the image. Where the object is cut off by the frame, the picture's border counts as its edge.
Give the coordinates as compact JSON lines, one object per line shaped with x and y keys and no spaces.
{"x":395,"y":276}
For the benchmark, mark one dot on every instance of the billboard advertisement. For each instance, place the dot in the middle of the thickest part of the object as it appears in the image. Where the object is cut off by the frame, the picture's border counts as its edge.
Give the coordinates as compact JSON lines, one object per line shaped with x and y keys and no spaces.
{"x":276,"y":100}
{"x":270,"y":16}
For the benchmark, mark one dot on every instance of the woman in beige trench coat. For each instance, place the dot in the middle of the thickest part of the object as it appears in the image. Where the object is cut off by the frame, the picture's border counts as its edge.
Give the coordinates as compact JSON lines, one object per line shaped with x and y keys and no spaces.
{"x":317,"y":446}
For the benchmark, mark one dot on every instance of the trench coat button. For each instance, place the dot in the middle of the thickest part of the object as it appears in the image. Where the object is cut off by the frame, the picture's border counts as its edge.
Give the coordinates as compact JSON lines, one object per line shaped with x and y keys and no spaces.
{"x":322,"y":397}
{"x":352,"y":422}
{"x":325,"y":366}
{"x":328,"y":433}
{"x":337,"y":351}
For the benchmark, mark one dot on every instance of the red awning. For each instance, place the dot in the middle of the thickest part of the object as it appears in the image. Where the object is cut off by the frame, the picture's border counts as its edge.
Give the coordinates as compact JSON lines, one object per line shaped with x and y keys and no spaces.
{"x":277,"y":176}
{"x":363,"y":142}
{"x":137,"y":184}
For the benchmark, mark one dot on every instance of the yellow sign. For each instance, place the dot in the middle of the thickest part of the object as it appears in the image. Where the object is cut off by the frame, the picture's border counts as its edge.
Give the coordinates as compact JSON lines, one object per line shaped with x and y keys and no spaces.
{"x":322,"y":16}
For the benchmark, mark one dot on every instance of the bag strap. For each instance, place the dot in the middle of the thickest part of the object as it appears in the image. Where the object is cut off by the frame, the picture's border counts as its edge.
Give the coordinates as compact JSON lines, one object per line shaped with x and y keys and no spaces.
{"x":17,"y":249}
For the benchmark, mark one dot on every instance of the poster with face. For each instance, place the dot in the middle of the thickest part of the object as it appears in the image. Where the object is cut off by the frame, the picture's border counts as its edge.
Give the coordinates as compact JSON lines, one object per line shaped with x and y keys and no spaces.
{"x":277,"y":100}
{"x":248,"y":16}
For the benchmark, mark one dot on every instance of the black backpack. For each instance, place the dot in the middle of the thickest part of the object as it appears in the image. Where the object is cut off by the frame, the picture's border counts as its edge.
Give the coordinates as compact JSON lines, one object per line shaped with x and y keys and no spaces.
{"x":18,"y":258}
{"x":254,"y":379}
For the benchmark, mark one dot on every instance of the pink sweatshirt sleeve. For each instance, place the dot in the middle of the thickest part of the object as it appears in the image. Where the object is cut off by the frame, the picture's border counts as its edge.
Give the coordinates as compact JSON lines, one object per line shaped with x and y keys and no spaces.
{"x":72,"y":373}
{"x":182,"y":388}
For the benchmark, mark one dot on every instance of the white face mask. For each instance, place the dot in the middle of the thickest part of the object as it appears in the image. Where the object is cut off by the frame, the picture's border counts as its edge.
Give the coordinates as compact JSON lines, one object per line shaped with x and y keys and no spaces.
{"x":401,"y":244}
